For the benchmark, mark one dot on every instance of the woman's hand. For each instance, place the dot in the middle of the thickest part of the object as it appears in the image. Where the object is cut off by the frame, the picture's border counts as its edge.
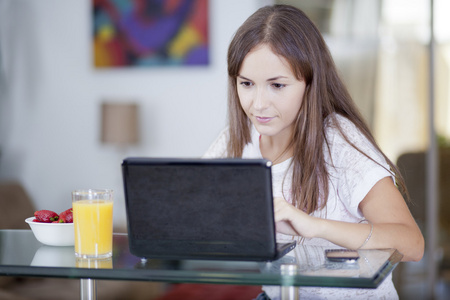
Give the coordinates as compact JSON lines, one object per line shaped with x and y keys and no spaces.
{"x":292,"y":221}
{"x":383,"y":206}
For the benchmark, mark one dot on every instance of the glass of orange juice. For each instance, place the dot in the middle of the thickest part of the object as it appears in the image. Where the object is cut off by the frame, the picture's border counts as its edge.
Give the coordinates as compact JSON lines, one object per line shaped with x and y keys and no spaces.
{"x":93,"y":222}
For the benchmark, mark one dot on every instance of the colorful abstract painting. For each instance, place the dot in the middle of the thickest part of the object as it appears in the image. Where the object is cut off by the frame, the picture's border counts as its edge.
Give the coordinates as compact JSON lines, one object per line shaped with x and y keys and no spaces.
{"x":150,"y":33}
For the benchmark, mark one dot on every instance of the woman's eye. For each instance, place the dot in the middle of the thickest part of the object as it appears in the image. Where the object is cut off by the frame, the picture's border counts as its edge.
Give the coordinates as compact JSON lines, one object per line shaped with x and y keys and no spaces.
{"x":278,"y":85}
{"x":245,"y":83}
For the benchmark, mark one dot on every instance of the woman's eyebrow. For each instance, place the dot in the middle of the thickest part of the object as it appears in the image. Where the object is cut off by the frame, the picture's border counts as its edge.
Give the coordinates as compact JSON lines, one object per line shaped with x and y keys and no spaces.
{"x":277,"y":77}
{"x":245,"y":78}
{"x":270,"y":79}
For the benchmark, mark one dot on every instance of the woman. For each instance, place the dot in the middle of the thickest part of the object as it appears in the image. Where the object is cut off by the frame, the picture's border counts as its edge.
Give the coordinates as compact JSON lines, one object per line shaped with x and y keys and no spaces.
{"x":332,"y":184}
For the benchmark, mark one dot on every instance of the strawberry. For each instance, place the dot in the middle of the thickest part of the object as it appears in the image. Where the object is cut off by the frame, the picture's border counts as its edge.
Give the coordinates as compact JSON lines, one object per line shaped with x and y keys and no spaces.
{"x":46,"y":216}
{"x":66,"y":216}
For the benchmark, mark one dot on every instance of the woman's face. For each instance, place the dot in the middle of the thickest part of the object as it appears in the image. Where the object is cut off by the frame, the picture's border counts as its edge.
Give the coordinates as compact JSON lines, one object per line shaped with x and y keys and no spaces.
{"x":269,"y":92}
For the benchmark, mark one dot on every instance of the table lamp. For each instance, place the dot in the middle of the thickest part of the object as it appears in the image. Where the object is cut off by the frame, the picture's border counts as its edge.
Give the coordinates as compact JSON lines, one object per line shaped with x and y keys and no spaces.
{"x":120,"y":124}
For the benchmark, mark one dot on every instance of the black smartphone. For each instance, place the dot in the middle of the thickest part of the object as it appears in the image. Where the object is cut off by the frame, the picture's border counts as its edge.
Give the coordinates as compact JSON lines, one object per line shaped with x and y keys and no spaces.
{"x":341,"y":255}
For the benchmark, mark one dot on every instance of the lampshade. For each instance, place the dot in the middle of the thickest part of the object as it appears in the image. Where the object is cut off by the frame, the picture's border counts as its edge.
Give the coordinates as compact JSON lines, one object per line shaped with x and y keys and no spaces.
{"x":120,"y":123}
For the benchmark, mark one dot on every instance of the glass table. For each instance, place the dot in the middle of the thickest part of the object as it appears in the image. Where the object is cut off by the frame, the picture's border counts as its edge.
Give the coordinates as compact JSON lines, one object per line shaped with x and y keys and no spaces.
{"x":22,"y":255}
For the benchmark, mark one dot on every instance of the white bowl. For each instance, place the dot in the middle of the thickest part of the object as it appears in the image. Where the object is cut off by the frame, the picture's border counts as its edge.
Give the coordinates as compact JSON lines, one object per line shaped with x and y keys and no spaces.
{"x":52,"y":234}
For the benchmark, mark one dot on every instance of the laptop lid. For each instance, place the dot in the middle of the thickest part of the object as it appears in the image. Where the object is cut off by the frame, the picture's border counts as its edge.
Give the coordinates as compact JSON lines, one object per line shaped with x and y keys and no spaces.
{"x":200,"y":208}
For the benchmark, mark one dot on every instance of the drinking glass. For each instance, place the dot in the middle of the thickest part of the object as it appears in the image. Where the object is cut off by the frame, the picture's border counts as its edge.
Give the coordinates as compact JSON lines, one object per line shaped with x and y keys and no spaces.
{"x":93,"y":222}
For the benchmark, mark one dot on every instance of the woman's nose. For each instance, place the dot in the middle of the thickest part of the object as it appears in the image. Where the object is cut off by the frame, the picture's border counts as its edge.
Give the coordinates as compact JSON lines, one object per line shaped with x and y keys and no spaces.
{"x":260,"y":101}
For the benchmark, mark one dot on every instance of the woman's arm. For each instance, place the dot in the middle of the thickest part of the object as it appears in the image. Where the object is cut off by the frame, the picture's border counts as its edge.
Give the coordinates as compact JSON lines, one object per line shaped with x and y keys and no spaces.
{"x":384,"y":206}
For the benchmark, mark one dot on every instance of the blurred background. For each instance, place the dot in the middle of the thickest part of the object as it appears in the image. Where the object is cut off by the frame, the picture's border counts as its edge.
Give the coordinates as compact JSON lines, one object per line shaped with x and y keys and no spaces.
{"x":57,"y":100}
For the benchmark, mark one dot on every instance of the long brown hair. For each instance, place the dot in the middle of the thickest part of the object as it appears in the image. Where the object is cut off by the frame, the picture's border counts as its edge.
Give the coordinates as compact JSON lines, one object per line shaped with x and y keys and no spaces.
{"x":292,"y":35}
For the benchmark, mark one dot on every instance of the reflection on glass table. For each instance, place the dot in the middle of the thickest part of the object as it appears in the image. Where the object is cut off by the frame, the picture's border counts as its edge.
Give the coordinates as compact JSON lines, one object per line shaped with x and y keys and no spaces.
{"x":51,"y":256}
{"x":22,"y":255}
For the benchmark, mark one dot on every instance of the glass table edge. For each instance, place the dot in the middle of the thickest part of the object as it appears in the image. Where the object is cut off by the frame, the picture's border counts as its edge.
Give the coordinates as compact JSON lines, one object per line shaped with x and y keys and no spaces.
{"x":206,"y":278}
{"x":212,"y":277}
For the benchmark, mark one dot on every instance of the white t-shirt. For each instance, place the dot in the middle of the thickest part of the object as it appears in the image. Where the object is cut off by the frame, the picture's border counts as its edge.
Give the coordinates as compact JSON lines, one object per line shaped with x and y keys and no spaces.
{"x":351,"y":176}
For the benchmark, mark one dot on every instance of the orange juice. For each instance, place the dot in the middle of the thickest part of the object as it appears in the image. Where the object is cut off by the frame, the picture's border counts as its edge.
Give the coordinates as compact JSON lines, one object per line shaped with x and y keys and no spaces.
{"x":94,"y":263}
{"x":93,"y":223}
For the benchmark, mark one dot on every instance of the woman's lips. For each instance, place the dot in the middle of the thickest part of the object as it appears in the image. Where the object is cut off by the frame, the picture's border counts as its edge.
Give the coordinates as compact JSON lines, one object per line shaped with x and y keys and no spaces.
{"x":263,"y":119}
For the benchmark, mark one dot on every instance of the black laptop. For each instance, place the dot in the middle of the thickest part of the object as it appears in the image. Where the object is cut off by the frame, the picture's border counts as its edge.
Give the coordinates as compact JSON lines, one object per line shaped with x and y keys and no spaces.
{"x":217,"y":209}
